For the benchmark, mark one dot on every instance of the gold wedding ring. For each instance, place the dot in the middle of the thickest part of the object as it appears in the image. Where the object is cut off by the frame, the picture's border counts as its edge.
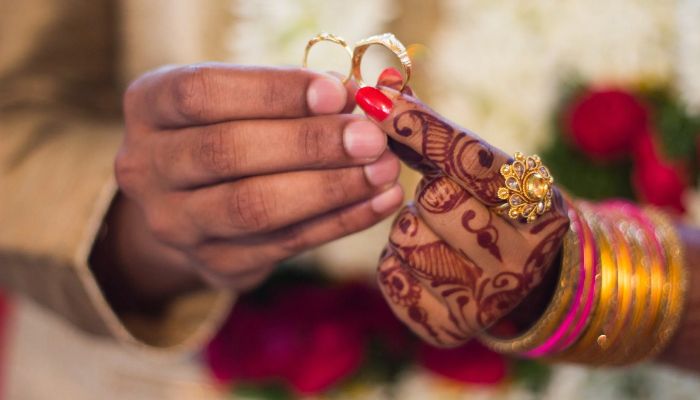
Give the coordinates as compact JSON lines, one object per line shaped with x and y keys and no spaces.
{"x":328,"y":37}
{"x":387,"y":40}
{"x":528,"y":188}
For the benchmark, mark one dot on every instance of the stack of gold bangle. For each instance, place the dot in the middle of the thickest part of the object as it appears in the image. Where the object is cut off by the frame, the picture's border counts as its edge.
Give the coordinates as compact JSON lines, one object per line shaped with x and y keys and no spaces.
{"x":621,"y":291}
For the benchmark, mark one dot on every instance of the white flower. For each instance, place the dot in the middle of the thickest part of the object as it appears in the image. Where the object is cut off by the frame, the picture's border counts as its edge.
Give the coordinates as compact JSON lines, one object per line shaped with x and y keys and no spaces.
{"x":688,"y":15}
{"x":276,"y":32}
{"x":498,"y":66}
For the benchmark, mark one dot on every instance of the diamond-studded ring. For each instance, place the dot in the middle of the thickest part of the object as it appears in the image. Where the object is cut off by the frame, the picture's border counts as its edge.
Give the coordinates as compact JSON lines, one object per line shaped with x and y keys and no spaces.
{"x":528,"y":188}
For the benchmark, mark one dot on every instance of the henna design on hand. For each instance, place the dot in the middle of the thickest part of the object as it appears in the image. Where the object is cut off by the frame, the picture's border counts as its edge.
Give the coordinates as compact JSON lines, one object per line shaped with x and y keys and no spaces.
{"x":403,"y":289}
{"x":486,"y":236}
{"x":407,"y":222}
{"x":463,"y":294}
{"x":412,"y":158}
{"x":510,"y":287}
{"x":438,"y":263}
{"x":475,"y":300}
{"x":440,"y":195}
{"x":450,"y":151}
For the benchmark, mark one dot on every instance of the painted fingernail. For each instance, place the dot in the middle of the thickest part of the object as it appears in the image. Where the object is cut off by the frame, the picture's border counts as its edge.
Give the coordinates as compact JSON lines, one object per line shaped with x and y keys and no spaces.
{"x":374,"y":102}
{"x":383,"y":171}
{"x":326,"y":95}
{"x":363,"y":139}
{"x":387,"y":201}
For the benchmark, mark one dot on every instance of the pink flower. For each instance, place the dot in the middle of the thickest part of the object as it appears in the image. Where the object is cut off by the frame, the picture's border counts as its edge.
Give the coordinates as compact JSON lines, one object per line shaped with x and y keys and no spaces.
{"x":472,"y":363}
{"x":309,"y":337}
{"x":604,"y":124}
{"x":656,"y":180}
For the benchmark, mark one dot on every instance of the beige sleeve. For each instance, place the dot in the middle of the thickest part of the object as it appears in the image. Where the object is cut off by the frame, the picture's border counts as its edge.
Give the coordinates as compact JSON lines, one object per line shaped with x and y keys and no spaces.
{"x":59,"y":132}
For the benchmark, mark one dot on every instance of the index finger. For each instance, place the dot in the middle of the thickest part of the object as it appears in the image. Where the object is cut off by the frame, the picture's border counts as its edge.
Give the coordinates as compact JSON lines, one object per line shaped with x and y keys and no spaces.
{"x":458,"y":153}
{"x":173,"y":97}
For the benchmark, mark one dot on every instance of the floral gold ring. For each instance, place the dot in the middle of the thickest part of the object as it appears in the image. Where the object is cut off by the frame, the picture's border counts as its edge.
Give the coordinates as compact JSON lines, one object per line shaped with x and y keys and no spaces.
{"x":528,"y":188}
{"x":387,"y":40}
{"x":328,"y":37}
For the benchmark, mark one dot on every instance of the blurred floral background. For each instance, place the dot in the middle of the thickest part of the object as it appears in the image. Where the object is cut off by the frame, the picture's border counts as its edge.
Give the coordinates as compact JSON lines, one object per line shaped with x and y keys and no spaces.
{"x":608,"y":92}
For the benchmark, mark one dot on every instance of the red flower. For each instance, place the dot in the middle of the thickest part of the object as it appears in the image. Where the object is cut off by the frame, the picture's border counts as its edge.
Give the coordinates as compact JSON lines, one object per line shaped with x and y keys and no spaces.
{"x":656,"y":180}
{"x":253,"y":346}
{"x":471,"y":363}
{"x":604,"y":124}
{"x":333,"y":352}
{"x":310,"y":337}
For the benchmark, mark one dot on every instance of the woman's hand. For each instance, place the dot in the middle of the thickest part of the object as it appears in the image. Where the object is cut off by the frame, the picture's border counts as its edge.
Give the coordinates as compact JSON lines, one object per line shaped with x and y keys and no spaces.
{"x":453,"y":266}
{"x":227,"y":170}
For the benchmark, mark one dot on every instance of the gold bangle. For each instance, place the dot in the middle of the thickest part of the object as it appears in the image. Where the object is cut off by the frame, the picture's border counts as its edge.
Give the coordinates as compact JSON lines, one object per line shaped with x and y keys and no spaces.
{"x":633,"y":295}
{"x":677,"y":280}
{"x":643,"y":290}
{"x":658,"y":298}
{"x":387,"y":40}
{"x":591,"y":287}
{"x":626,"y":274}
{"x":593,"y":338}
{"x":647,"y":298}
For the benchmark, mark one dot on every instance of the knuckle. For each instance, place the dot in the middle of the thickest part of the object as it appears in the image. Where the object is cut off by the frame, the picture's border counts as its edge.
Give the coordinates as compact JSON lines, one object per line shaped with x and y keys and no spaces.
{"x":127,"y":171}
{"x":292,"y":240}
{"x":221,"y":267}
{"x":470,"y":162}
{"x":269,"y":91}
{"x":189,"y":91}
{"x":213,"y":261}
{"x":129,"y":99}
{"x":311,"y":144}
{"x":477,"y":158}
{"x":340,"y":186}
{"x":345,"y":224}
{"x":160,"y":226}
{"x":249,"y":208}
{"x":168,"y":228}
{"x":213,"y":153}
{"x":276,"y":93}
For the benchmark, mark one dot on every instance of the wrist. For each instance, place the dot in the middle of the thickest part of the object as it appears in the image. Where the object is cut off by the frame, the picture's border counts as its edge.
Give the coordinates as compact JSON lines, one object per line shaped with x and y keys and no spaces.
{"x":533,"y":306}
{"x":135,"y":272}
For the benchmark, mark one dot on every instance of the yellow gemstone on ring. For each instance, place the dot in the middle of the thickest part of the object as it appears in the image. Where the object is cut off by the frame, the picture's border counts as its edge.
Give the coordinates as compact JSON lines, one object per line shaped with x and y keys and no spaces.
{"x":527,"y":190}
{"x":536,"y":186}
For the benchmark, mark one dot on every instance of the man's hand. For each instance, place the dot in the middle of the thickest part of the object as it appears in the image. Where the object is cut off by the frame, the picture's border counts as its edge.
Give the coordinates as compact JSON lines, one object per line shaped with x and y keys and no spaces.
{"x":228,"y":170}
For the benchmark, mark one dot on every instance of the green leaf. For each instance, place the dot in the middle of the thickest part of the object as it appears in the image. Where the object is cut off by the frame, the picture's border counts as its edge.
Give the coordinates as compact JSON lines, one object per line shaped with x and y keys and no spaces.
{"x":270,"y":391}
{"x":533,"y":375}
{"x":582,"y":177}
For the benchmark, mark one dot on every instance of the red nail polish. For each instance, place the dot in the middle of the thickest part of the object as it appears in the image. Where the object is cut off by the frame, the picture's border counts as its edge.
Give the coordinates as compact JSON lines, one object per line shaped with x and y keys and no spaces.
{"x":374,"y":103}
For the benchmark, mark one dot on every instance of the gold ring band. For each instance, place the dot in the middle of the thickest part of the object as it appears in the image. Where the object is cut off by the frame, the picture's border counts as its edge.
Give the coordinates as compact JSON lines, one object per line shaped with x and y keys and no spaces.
{"x":328,"y":37}
{"x":387,"y":40}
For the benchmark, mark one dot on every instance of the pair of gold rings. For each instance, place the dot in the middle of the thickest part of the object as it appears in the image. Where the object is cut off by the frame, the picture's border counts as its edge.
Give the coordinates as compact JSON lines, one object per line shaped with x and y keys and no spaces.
{"x":356,"y":53}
